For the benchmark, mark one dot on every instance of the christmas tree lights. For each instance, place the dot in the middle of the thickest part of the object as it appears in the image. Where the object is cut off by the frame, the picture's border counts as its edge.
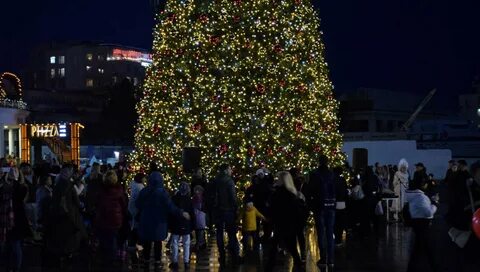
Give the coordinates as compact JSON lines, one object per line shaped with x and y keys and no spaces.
{"x":245,"y":81}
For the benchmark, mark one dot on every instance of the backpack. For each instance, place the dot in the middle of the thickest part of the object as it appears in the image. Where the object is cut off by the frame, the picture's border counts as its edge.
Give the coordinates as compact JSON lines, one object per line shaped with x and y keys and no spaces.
{"x":407,"y":217}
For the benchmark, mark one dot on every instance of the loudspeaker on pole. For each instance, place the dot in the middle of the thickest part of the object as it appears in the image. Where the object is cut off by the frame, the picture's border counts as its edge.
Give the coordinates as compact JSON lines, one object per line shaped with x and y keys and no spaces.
{"x":191,"y":159}
{"x":360,"y":158}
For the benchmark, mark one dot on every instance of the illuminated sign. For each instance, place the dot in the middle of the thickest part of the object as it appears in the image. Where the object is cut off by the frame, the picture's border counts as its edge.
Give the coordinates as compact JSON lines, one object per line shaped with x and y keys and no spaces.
{"x":48,"y":130}
{"x":144,"y":59}
{"x":62,"y":129}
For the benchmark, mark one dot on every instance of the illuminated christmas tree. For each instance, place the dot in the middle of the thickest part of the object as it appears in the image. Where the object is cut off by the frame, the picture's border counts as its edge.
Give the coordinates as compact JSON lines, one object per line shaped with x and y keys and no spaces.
{"x":244,"y":80}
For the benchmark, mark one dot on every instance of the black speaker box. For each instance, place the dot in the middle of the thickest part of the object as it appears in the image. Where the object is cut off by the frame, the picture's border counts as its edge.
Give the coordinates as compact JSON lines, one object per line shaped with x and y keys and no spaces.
{"x":360,"y":158}
{"x":191,"y":159}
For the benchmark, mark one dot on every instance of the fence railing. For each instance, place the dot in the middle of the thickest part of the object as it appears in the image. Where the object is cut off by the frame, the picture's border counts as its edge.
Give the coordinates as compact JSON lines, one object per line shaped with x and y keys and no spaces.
{"x":15,"y":104}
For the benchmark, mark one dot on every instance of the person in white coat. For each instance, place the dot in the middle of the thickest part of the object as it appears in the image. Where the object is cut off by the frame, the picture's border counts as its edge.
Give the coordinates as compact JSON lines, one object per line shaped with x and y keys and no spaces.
{"x":421,"y":211}
{"x":136,"y":186}
{"x":400,"y":184}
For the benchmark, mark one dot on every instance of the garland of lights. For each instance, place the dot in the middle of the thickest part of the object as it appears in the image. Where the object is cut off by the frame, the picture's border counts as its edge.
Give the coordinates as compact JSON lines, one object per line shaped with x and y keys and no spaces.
{"x":245,"y":81}
{"x":18,"y":82}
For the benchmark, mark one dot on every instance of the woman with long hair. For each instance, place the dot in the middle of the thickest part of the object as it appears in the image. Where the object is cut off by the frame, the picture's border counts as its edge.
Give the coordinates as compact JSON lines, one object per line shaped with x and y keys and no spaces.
{"x":111,"y":208}
{"x":285,"y":215}
{"x":400,"y":184}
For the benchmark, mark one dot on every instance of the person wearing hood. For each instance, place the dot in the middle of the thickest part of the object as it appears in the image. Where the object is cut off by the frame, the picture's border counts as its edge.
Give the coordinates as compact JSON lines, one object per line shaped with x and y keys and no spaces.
{"x":249,"y":217}
{"x":154,"y":205}
{"x":181,"y":227}
{"x":400,"y":184}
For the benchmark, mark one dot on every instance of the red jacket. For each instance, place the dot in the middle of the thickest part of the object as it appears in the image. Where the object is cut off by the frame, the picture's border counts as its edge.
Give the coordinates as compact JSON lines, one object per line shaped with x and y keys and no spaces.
{"x":111,"y":208}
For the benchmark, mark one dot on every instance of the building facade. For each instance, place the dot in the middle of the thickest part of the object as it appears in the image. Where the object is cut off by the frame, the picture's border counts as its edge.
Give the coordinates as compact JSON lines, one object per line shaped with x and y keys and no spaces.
{"x":376,"y":114}
{"x":83,"y":66}
{"x":13,"y":113}
{"x":470,"y":105}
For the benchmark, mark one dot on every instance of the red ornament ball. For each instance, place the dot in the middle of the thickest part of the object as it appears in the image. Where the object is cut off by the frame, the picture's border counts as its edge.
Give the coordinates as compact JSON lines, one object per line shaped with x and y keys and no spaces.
{"x":260,"y":88}
{"x":215,"y":40}
{"x":278,"y":49}
{"x":223,"y":149}
{"x":172,"y":17}
{"x":236,"y":19}
{"x":301,"y":88}
{"x":197,"y":127}
{"x":476,"y":223}
{"x":226,"y":109}
{"x":282,"y":83}
{"x":203,"y":18}
{"x":298,"y":127}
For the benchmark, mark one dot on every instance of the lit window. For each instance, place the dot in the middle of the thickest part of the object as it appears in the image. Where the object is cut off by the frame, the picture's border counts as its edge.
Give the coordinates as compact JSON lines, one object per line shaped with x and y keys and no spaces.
{"x":89,"y":82}
{"x":53,"y":59}
{"x":90,"y":56}
{"x":61,"y":72}
{"x":61,"y":60}
{"x":52,"y":73}
{"x":88,"y":68}
{"x":101,"y":71}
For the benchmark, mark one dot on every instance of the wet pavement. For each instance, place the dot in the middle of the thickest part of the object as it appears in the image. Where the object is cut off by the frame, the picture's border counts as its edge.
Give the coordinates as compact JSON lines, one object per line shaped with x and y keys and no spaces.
{"x":385,"y":250}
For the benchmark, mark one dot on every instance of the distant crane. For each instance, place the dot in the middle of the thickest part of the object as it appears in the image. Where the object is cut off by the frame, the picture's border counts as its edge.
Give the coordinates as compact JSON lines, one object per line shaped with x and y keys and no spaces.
{"x":420,"y":107}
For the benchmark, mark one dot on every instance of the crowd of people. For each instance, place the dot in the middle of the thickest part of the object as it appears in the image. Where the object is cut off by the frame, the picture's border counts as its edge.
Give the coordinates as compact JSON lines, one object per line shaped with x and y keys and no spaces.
{"x":65,"y":210}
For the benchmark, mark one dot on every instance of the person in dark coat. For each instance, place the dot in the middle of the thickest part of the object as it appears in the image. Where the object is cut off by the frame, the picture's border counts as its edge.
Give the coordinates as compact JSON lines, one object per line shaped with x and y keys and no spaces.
{"x":456,"y":217}
{"x":111,"y":207}
{"x":94,"y":186}
{"x":43,"y":198}
{"x":154,"y":205}
{"x":20,"y":229}
{"x":285,"y":216}
{"x":452,"y":169}
{"x":225,"y":209}
{"x":321,"y":199}
{"x":181,"y":227}
{"x":420,"y":176}
{"x":64,"y":230}
{"x":341,"y":195}
{"x":299,"y":182}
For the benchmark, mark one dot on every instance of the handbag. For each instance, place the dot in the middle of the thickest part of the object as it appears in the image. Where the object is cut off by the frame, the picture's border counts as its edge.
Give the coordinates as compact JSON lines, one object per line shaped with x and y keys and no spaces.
{"x":200,"y":219}
{"x":379,"y":208}
{"x":461,"y":237}
{"x":357,"y":193}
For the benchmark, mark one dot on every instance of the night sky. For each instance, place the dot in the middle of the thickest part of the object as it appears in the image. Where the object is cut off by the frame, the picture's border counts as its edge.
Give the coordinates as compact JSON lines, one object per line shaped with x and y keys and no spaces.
{"x":405,"y":45}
